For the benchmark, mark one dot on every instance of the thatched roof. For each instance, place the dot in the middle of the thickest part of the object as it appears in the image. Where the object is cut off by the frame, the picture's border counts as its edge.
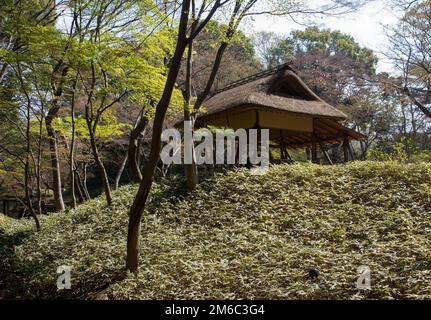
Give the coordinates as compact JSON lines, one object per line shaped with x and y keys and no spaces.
{"x":278,"y":100}
{"x":280,"y":88}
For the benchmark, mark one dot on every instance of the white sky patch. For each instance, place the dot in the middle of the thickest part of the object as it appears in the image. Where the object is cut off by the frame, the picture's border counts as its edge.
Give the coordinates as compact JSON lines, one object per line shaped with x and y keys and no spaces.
{"x":365,"y":25}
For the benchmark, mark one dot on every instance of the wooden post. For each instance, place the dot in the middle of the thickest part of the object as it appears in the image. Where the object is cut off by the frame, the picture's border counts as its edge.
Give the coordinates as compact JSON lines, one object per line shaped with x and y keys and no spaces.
{"x":307,"y":154}
{"x":313,"y":149}
{"x":346,"y":148}
{"x":282,"y":154}
{"x":271,"y":157}
{"x":325,"y":153}
{"x":236,"y":152}
{"x":351,"y":151}
{"x":288,"y":155}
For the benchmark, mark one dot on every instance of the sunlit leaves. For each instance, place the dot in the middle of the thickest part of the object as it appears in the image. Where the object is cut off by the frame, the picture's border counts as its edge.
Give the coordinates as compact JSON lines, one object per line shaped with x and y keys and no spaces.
{"x":107,"y":129}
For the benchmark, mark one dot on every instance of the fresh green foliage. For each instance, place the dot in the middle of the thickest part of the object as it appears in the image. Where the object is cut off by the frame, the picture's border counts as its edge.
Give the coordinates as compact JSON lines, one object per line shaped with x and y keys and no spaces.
{"x":107,"y":129}
{"x":241,"y":236}
{"x":401,"y":151}
{"x":4,"y":222}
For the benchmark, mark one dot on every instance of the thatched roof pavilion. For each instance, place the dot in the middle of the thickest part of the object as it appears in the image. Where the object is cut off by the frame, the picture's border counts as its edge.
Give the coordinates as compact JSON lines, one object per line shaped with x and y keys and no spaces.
{"x":280,"y":101}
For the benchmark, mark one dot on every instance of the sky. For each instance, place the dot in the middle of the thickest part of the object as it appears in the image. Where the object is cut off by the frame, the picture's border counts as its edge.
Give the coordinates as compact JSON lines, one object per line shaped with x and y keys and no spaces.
{"x":365,"y":25}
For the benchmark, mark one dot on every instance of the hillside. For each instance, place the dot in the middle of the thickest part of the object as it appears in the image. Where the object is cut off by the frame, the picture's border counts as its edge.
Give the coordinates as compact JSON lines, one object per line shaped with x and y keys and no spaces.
{"x":240,"y":236}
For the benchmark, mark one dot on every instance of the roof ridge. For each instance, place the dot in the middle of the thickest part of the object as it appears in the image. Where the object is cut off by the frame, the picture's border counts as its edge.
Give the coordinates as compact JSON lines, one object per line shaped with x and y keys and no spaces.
{"x":253,"y":77}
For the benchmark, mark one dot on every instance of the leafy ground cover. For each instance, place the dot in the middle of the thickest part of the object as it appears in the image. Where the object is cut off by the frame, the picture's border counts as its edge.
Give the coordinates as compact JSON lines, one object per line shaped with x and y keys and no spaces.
{"x":240,"y":236}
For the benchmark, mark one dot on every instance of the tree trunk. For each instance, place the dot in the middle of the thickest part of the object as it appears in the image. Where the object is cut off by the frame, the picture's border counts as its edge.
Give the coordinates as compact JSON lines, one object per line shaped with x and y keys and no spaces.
{"x":138,"y":152}
{"x":72,"y":180}
{"x":120,"y":172}
{"x":191,"y":169}
{"x":133,"y":149}
{"x":55,"y":164}
{"x":28,"y":197}
{"x":78,"y":190}
{"x":132,"y":159}
{"x":138,"y":206}
{"x":100,"y":166}
{"x":84,"y":182}
{"x":72,"y":147}
{"x":39,"y":191}
{"x":38,"y":165}
{"x":26,"y":166}
{"x":419,"y":104}
{"x":80,"y":187}
{"x":346,"y":149}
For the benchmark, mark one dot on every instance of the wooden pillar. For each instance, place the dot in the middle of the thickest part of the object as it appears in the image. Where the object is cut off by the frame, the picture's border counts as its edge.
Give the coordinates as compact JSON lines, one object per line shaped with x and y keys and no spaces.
{"x":236,"y":152}
{"x":288,"y":155}
{"x":346,"y":148}
{"x":352,"y":155}
{"x":271,"y":157}
{"x":307,"y":154}
{"x":313,"y":148}
{"x":282,"y":154}
{"x":328,"y":158}
{"x":281,"y":142}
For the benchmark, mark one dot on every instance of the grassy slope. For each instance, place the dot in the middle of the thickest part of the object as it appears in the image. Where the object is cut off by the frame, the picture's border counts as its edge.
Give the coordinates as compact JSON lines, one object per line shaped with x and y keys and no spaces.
{"x":241,"y":236}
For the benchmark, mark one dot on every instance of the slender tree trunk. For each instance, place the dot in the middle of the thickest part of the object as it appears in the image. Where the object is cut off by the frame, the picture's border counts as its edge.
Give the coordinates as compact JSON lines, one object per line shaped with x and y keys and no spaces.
{"x":55,"y":164}
{"x":80,"y":187}
{"x":190,"y":169}
{"x":92,"y":122}
{"x":84,"y":182}
{"x":78,"y":191}
{"x":100,"y":166}
{"x":419,"y":104}
{"x":138,"y":130}
{"x":72,"y":178}
{"x":39,"y":165}
{"x":138,"y":152}
{"x":27,"y":195}
{"x":27,"y":169}
{"x":28,"y":151}
{"x":72,"y":149}
{"x":132,"y":159}
{"x":138,"y":206}
{"x":120,"y":172}
{"x":39,"y":191}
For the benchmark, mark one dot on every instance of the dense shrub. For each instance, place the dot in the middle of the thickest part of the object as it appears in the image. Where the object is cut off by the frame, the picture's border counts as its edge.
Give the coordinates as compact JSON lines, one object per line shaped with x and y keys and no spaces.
{"x":241,"y":236}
